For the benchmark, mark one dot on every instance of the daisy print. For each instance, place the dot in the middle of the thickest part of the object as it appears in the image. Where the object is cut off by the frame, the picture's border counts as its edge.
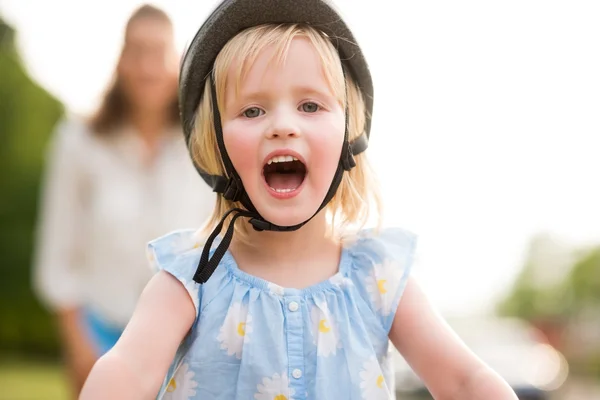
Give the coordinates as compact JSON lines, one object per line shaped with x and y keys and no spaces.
{"x":236,"y":330}
{"x":324,"y":330}
{"x":340,"y":280}
{"x":372,"y":382}
{"x":185,"y":242}
{"x":382,"y":285}
{"x":182,"y":385}
{"x":151,"y":257}
{"x":274,"y":388}
{"x":387,"y":368}
{"x":192,"y":287}
{"x":276,"y":289}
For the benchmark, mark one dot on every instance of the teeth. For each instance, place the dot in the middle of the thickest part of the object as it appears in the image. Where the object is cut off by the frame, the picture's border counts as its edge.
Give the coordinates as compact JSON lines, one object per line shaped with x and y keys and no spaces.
{"x":278,"y":159}
{"x":283,"y":190}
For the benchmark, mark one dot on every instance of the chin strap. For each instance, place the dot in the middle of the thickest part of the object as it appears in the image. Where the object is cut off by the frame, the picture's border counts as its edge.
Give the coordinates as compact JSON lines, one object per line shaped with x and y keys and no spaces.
{"x":207,"y":266}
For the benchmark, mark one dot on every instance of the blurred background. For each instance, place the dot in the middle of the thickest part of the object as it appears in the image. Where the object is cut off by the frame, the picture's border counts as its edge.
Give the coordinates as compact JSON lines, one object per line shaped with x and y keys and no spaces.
{"x":486,"y":138}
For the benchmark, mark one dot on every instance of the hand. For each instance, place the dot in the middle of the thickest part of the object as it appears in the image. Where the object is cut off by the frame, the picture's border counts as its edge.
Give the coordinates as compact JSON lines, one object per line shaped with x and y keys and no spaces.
{"x":79,"y":364}
{"x":80,"y":354}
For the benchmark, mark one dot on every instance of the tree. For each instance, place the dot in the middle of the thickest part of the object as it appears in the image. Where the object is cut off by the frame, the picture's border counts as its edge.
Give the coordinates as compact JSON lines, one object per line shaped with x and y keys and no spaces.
{"x":567,"y":309}
{"x":28,"y":114}
{"x":541,"y":290}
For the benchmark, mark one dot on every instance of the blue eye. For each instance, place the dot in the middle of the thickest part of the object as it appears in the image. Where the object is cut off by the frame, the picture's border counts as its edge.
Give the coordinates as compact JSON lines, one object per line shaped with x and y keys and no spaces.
{"x":253,"y":112}
{"x":310,"y":107}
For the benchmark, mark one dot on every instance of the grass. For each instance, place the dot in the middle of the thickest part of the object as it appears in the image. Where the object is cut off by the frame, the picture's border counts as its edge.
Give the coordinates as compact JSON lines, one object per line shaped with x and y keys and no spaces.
{"x":24,"y":379}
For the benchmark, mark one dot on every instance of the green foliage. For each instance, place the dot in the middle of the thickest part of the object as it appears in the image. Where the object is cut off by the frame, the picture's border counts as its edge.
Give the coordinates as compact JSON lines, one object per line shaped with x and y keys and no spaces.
{"x":531,"y":303}
{"x":565,"y":302}
{"x":32,"y":380}
{"x":28,"y":115}
{"x":584,"y":280}
{"x":580,"y":290}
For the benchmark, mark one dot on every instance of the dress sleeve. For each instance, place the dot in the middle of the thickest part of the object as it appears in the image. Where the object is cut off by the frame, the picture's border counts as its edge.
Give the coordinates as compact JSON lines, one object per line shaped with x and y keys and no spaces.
{"x":178,"y":253}
{"x":381,"y":267}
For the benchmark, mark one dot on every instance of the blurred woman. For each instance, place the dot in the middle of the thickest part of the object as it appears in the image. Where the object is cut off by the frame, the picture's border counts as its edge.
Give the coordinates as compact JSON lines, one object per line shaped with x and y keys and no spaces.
{"x":112,"y":184}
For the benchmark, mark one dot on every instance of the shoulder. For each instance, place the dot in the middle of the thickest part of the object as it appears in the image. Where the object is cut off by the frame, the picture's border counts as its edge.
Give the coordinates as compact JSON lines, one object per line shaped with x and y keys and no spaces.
{"x":380,"y":264}
{"x":370,"y":246}
{"x":72,"y":133}
{"x":178,"y":253}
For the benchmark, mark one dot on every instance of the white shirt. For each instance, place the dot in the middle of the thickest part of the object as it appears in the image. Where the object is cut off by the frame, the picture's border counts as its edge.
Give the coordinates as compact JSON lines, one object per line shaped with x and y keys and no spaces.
{"x":100,"y":207}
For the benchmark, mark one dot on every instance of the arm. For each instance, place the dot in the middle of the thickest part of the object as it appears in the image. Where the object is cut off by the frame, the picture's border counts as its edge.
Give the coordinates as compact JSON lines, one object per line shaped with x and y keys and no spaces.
{"x":138,"y":363}
{"x":446,"y":366}
{"x":56,"y":274}
{"x":57,"y":280}
{"x":80,"y":353}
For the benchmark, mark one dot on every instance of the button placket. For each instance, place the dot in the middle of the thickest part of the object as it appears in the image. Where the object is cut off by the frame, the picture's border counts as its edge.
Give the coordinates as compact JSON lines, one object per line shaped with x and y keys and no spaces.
{"x":295,"y":345}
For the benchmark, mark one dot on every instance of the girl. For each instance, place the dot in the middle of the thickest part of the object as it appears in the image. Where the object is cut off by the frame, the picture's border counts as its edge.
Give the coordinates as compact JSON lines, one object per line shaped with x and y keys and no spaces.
{"x":276,"y":100}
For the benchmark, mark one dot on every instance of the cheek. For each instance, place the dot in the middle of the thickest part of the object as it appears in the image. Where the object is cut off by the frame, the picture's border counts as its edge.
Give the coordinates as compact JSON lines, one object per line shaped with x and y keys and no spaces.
{"x":241,"y":146}
{"x":326,"y":150}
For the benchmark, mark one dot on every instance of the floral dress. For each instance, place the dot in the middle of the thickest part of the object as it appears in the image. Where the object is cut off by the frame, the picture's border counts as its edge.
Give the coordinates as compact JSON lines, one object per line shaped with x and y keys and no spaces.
{"x":253,"y":339}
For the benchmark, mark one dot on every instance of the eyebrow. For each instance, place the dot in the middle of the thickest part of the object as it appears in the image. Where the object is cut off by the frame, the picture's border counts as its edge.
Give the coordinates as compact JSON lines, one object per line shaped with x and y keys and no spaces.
{"x":256,"y":95}
{"x":312,"y":91}
{"x":259,"y":95}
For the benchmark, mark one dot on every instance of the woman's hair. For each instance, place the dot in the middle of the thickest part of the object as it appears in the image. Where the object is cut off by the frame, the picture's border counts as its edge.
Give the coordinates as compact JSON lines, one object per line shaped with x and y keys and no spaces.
{"x":115,"y":107}
{"x":358,"y":189}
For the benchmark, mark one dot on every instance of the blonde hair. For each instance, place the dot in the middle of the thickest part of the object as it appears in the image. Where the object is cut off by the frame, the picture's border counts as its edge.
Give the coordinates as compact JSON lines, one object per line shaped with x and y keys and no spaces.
{"x":358,"y":189}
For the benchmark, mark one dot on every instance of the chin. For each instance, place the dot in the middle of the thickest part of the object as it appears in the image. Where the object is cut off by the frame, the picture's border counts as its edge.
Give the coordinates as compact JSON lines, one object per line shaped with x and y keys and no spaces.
{"x":288,"y":215}
{"x":286,"y":218}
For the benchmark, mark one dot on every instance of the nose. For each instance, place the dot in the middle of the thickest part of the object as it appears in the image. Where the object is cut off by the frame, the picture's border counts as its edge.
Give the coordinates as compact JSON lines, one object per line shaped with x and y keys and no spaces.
{"x":148,"y":67}
{"x":283,"y":125}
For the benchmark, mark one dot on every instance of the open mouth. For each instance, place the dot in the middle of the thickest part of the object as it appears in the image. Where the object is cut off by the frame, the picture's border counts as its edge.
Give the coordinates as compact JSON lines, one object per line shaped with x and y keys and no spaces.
{"x":284,"y":174}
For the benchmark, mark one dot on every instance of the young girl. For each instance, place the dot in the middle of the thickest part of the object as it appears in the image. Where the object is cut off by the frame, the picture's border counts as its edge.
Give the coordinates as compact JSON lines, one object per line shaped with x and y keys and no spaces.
{"x":276,"y":101}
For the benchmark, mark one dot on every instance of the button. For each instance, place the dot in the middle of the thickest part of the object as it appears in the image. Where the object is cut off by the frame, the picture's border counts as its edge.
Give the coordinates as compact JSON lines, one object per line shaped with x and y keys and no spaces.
{"x":297,"y":373}
{"x":293,"y":306}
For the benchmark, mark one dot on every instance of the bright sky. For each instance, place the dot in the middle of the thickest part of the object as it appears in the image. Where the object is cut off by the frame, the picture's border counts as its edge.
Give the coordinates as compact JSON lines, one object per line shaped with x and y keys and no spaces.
{"x":486,"y":126}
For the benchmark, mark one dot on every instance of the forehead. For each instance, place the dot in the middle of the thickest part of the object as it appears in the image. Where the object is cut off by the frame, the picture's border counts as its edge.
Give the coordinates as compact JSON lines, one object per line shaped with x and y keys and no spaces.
{"x":149,"y":31}
{"x":277,"y":54}
{"x":299,"y":62}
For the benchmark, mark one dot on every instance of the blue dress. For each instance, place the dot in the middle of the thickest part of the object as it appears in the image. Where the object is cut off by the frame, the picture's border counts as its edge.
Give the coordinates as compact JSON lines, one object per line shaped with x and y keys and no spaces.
{"x":253,"y":339}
